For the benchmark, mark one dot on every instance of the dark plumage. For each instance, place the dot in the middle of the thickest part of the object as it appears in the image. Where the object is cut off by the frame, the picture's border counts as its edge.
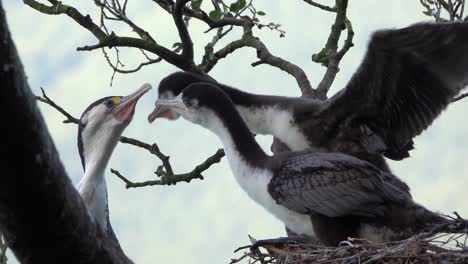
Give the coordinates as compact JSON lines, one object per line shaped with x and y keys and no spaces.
{"x":408,"y":76}
{"x":330,"y":195}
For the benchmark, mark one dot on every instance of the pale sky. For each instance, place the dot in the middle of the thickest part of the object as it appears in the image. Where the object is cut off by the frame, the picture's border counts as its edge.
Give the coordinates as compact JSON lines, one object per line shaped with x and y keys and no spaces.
{"x":204,"y":221}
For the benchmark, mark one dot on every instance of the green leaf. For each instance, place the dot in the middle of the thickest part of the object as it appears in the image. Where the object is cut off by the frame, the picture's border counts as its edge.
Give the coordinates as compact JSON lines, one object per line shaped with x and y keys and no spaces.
{"x":215,"y":14}
{"x":235,"y":7}
{"x":261,"y":13}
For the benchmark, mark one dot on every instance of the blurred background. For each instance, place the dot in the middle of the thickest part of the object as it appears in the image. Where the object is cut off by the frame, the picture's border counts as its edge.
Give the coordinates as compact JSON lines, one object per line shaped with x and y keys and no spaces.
{"x":204,"y":221}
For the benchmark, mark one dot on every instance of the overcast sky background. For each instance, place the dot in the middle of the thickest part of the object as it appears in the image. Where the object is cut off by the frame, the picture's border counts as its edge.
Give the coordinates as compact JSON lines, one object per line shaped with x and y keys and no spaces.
{"x":204,"y":221}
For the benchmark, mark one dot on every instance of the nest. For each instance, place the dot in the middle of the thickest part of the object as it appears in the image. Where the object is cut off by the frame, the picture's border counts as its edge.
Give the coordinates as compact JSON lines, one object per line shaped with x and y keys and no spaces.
{"x":445,"y":243}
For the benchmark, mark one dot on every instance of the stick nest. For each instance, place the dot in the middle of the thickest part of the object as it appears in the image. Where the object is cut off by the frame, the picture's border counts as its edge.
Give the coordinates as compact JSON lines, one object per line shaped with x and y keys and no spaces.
{"x":445,"y":243}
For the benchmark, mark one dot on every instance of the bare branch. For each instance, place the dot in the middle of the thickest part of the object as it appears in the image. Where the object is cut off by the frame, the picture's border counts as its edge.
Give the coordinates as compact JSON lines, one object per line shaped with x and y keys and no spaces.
{"x":45,"y":99}
{"x":200,"y":15}
{"x":437,"y":8}
{"x":265,"y":57}
{"x":187,"y":45}
{"x":210,"y":46}
{"x":323,"y":7}
{"x":112,"y":40}
{"x":212,"y":59}
{"x":173,"y":179}
{"x":153,"y":149}
{"x":59,"y":8}
{"x":348,"y":43}
{"x":329,"y":55}
{"x":141,"y":65}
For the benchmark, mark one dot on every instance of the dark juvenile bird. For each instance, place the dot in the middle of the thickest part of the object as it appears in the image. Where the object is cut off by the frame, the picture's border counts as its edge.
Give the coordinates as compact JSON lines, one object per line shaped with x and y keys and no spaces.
{"x":99,"y":130}
{"x":408,"y":76}
{"x":328,"y":195}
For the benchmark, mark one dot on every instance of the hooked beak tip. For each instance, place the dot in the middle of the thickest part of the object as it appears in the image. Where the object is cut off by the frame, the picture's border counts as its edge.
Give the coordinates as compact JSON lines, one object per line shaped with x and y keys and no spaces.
{"x":126,"y":108}
{"x":151,"y":118}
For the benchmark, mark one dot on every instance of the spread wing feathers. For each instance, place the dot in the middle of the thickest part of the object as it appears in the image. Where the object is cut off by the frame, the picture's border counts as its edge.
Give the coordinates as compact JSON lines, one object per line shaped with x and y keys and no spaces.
{"x":335,"y":185}
{"x":407,"y":78}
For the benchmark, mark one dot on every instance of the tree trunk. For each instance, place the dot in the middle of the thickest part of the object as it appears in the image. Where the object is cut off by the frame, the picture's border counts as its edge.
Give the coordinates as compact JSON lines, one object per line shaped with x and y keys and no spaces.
{"x":42,"y":216}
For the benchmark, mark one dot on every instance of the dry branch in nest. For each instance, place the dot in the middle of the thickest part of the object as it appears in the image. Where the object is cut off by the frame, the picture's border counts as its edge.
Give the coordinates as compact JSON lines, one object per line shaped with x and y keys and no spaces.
{"x":445,"y":243}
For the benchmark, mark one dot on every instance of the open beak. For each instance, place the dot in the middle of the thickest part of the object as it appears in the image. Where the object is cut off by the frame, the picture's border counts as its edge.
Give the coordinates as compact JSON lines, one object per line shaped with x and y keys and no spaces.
{"x":125,"y":109}
{"x":168,"y":108}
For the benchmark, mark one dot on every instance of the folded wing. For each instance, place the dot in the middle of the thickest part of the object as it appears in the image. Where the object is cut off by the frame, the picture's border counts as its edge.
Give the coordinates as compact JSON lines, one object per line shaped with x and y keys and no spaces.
{"x":335,"y":185}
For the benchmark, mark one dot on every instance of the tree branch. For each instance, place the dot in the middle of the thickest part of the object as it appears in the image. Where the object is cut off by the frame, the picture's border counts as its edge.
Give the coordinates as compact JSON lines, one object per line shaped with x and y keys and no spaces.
{"x":141,"y":65}
{"x":173,"y":179}
{"x":203,"y":16}
{"x":264,"y":56}
{"x":323,"y":7}
{"x":211,"y":59}
{"x":45,"y":99}
{"x":187,"y":45}
{"x":153,"y":149}
{"x":348,"y":43}
{"x":112,"y":40}
{"x":329,"y":55}
{"x":59,"y":8}
{"x":267,"y":58}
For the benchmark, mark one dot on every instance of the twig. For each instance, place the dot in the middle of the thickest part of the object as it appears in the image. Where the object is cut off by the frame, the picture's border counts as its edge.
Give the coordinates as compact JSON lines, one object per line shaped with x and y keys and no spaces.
{"x":265,"y":57}
{"x":45,"y":99}
{"x":323,"y":7}
{"x":111,"y":40}
{"x":153,"y":149}
{"x":200,"y":15}
{"x":211,"y":60}
{"x":141,"y":65}
{"x":172,"y":179}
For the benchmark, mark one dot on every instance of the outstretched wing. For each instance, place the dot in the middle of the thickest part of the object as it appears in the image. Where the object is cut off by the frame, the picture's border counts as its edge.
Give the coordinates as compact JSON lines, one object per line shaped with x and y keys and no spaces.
{"x":335,"y":185}
{"x":407,"y":78}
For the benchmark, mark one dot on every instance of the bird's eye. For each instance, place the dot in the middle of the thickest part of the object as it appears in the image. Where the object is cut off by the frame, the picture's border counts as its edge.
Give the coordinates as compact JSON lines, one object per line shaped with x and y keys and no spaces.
{"x":109,"y":103}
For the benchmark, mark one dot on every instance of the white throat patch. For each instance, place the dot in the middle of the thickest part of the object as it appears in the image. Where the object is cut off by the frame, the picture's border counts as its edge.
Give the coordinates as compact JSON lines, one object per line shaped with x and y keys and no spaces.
{"x":276,"y":122}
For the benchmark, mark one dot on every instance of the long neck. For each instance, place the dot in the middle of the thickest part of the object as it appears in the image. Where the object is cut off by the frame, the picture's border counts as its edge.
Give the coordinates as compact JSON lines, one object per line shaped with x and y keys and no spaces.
{"x":236,"y":136}
{"x":93,"y":188}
